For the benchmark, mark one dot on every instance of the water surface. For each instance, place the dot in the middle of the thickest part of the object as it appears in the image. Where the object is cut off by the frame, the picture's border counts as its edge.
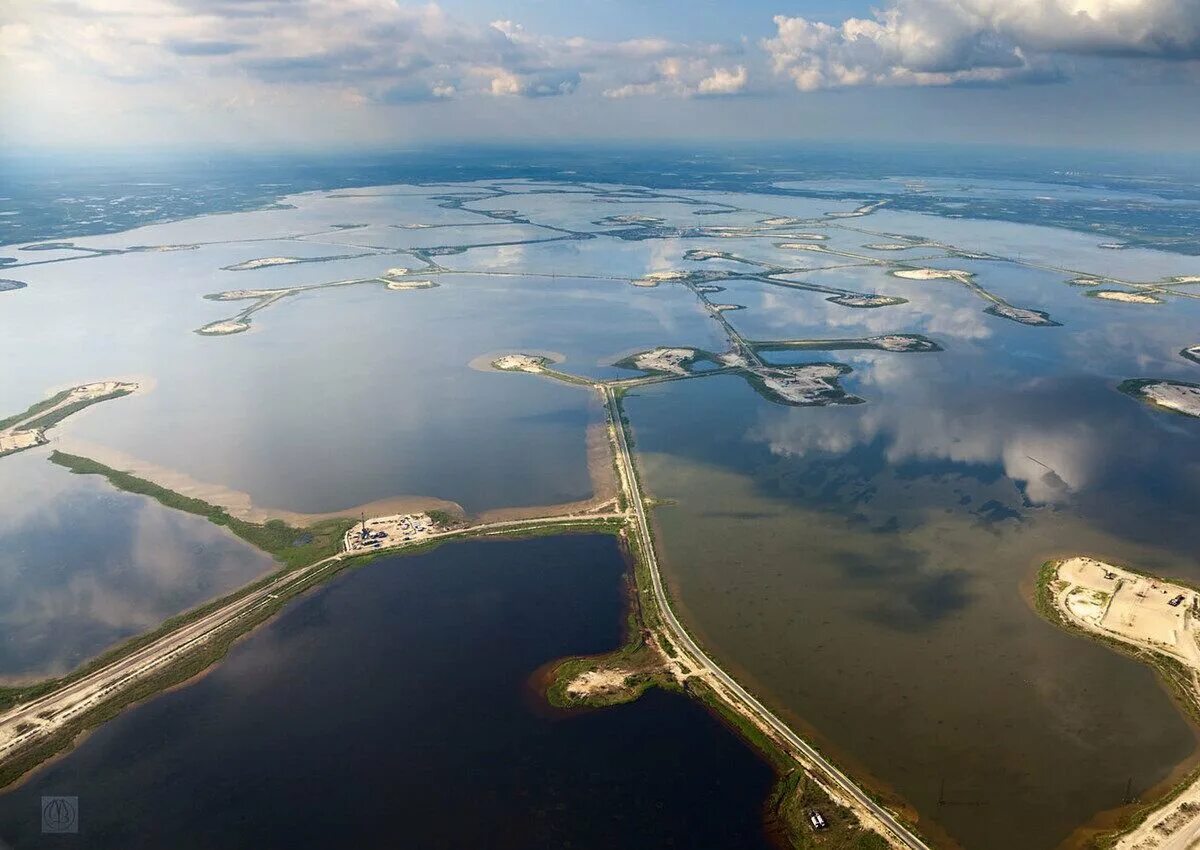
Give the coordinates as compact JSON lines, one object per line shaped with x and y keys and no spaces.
{"x":393,"y":708}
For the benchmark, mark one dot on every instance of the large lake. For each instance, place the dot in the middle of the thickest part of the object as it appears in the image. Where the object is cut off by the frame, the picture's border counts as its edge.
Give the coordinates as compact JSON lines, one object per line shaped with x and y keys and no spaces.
{"x":394,"y":707}
{"x":867,"y":569}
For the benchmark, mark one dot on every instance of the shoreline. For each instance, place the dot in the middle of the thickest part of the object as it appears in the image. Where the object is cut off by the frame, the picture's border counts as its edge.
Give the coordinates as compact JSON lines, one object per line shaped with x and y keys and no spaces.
{"x":1161,"y":822}
{"x":46,"y":719}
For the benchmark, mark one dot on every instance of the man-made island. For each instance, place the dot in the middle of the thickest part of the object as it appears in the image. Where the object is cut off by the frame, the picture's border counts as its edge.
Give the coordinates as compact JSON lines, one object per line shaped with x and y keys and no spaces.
{"x":1176,"y":396}
{"x":1154,"y":621}
{"x":41,"y":719}
{"x":28,"y":428}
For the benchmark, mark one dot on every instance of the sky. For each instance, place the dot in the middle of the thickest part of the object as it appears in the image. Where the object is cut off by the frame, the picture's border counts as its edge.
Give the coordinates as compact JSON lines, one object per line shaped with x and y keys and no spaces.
{"x":329,"y":74}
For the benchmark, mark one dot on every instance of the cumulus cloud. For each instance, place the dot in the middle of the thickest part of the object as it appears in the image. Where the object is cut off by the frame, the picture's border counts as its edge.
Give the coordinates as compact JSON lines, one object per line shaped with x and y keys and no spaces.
{"x":944,"y":42}
{"x":381,"y":51}
{"x":685,"y":76}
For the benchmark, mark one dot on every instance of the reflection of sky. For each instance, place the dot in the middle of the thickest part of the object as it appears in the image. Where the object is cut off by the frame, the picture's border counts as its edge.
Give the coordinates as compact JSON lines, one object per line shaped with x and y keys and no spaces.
{"x":386,"y":372}
{"x":83,"y":566}
{"x":1050,"y":246}
{"x":1065,"y":439}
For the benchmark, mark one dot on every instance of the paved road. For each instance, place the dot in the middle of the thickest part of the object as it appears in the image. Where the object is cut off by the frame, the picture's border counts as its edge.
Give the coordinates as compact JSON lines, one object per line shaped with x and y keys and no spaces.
{"x":101,"y":685}
{"x":902,"y":833}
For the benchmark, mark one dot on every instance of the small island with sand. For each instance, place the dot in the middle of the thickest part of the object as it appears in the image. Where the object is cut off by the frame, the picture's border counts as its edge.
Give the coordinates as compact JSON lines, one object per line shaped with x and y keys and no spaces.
{"x":1176,"y":396}
{"x":885,"y":342}
{"x":1156,"y":622}
{"x":1124,"y":297}
{"x":28,"y":429}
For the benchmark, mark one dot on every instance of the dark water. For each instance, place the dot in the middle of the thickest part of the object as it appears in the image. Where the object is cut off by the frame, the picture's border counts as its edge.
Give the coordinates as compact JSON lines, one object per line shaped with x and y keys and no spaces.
{"x":392,"y":709}
{"x":83,"y":566}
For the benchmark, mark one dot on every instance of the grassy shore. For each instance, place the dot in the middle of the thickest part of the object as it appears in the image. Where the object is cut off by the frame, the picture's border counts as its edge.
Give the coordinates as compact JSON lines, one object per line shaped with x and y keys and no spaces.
{"x":291,"y":546}
{"x":646,"y":654}
{"x":34,"y":409}
{"x":49,"y":420}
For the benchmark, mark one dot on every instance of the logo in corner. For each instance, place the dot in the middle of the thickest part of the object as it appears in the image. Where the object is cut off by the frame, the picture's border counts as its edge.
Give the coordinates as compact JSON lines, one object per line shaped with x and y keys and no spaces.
{"x":60,"y":815}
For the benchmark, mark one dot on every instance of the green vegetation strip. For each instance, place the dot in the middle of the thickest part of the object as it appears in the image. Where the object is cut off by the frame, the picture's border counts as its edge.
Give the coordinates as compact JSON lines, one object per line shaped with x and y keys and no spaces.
{"x":291,"y":546}
{"x":52,"y":418}
{"x":34,"y":409}
{"x":795,"y":794}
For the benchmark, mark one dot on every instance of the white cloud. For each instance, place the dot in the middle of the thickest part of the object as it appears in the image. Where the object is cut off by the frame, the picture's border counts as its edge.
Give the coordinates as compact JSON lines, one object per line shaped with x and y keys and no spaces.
{"x":724,"y":81}
{"x":385,"y":51}
{"x":942,"y":42}
{"x":685,"y":76}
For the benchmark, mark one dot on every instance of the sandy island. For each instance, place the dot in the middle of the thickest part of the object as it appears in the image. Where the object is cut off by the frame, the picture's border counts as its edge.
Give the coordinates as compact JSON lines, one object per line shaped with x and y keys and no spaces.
{"x":224,"y":327}
{"x":261,"y":262}
{"x":803,"y":246}
{"x":1178,"y":396}
{"x":1146,"y":614}
{"x":1125,"y":297}
{"x":655,"y":278}
{"x":931,"y":274}
{"x":851,"y":299}
{"x":521,"y":363}
{"x":669,"y":361}
{"x":30,"y":430}
{"x":1024,"y":315}
{"x":809,"y":385}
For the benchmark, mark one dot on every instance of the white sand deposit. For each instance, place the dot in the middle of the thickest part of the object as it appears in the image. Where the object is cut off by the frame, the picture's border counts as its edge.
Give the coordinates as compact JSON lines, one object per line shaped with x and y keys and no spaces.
{"x":669,"y":360}
{"x":780,"y":221}
{"x":1179,"y":397}
{"x":520,"y":363}
{"x":802,"y":246}
{"x":895,"y":342}
{"x":404,"y":285}
{"x":655,"y":278}
{"x":244,"y":294}
{"x":15,"y":441}
{"x":592,"y":682}
{"x":262,"y":262}
{"x":808,"y":384}
{"x":1127,"y":297}
{"x":812,"y":237}
{"x":224,"y":327}
{"x":931,"y":274}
